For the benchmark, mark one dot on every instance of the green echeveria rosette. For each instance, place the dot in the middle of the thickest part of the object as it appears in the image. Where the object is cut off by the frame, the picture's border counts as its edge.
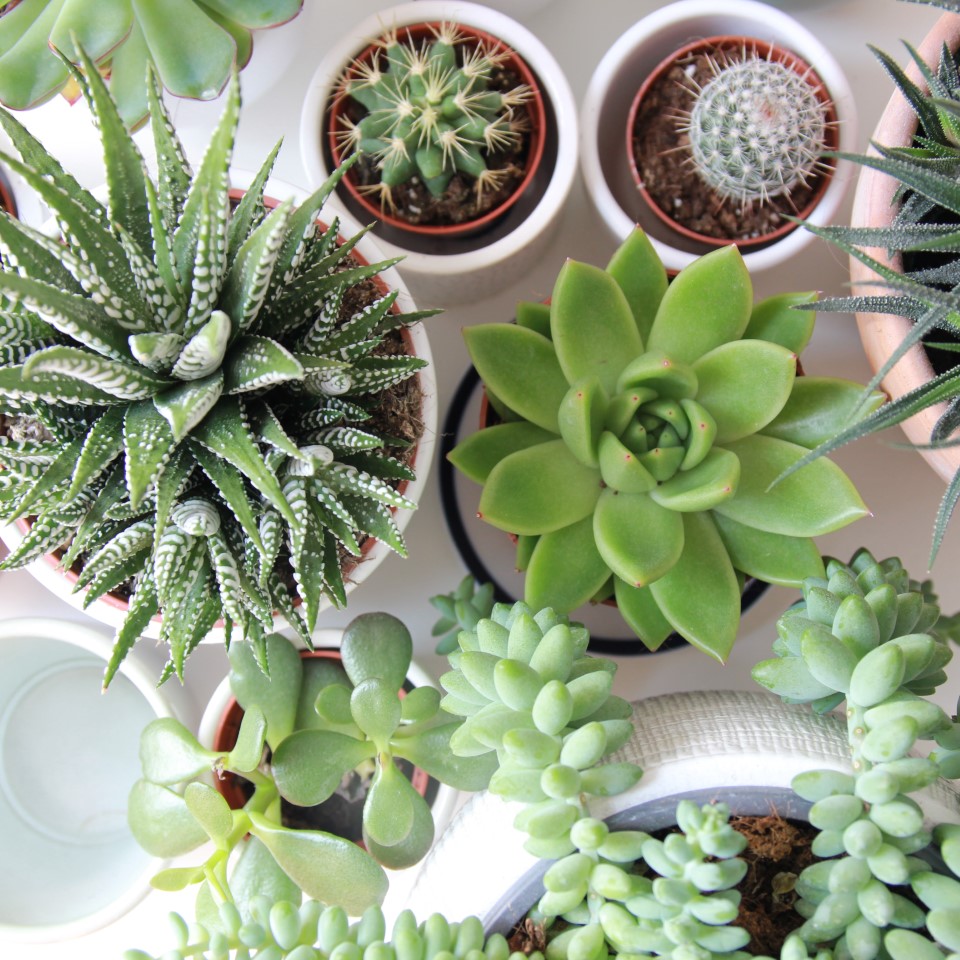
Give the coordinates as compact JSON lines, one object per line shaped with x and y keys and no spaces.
{"x":645,"y":425}
{"x":193,"y":44}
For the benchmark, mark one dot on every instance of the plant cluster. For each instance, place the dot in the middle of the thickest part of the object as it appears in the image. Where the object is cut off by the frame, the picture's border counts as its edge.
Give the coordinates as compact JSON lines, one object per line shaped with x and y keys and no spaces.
{"x":430,"y":111}
{"x":319,"y":721}
{"x":643,"y":428}
{"x":531,"y":696}
{"x":196,"y":389}
{"x":925,"y":223}
{"x":757,"y":129}
{"x":194,"y":46}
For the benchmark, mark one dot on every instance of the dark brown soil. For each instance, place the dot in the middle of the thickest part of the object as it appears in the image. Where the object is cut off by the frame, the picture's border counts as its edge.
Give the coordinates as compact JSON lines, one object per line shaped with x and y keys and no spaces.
{"x":459,"y":203}
{"x":661,"y":151}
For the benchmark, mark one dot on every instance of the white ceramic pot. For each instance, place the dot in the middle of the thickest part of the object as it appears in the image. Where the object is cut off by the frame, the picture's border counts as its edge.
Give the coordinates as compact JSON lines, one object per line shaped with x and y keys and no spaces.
{"x":618,"y":76}
{"x":873,"y":206}
{"x":736,"y":746}
{"x":68,"y":757}
{"x":477,"y":267}
{"x":112,"y":611}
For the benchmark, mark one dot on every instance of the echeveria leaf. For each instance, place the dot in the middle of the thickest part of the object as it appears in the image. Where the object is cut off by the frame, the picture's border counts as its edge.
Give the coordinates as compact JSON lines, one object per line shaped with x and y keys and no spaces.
{"x":639,"y":540}
{"x":712,"y":481}
{"x":771,"y":557}
{"x":775,"y":320}
{"x":539,"y":489}
{"x":583,"y":412}
{"x":639,"y":609}
{"x":479,"y":453}
{"x":816,"y":499}
{"x":692,"y":320}
{"x":601,"y":348}
{"x":710,"y":616}
{"x":565,"y":568}
{"x":744,"y":385}
{"x":325,"y":867}
{"x":521,"y":368}
{"x":30,"y":71}
{"x":642,"y":277}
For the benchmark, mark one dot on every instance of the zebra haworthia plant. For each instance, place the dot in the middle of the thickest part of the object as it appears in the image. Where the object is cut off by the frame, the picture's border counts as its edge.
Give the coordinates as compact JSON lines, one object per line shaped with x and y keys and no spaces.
{"x":643,"y":427}
{"x":195,"y":393}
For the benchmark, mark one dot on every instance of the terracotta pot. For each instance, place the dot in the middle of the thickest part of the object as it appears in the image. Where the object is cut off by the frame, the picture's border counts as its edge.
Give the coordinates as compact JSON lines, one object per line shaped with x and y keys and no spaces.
{"x":419,"y":34}
{"x":761,"y":51}
{"x":873,"y":206}
{"x":112,"y":609}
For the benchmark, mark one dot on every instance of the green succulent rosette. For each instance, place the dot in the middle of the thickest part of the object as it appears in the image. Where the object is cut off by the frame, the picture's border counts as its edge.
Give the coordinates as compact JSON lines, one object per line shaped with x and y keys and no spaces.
{"x":644,"y":427}
{"x":193,"y":45}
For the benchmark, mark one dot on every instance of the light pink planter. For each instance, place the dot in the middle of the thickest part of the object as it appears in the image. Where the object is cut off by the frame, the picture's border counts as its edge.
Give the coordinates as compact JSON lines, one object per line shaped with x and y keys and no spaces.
{"x":873,"y":207}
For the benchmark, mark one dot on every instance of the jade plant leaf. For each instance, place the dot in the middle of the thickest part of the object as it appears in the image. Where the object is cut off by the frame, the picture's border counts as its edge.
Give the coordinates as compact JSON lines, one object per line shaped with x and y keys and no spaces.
{"x":170,"y":754}
{"x":276,"y":695}
{"x":248,"y":750}
{"x":430,"y":751}
{"x":376,"y":709}
{"x":398,"y":805}
{"x":309,"y":764}
{"x":160,"y":821}
{"x":377,"y":645}
{"x":325,"y":867}
{"x":210,"y":810}
{"x":388,"y":811}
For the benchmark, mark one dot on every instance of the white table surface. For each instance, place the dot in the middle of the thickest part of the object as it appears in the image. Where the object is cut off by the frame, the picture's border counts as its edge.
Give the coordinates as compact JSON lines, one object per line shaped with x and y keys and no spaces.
{"x":900,"y":489}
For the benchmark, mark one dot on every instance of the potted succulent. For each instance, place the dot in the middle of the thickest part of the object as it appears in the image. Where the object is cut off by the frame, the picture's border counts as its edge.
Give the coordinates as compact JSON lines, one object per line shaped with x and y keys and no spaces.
{"x":767,"y":41}
{"x":319,"y":725}
{"x":208,"y":408}
{"x":637,"y":449}
{"x":193,"y":46}
{"x":566,"y":759}
{"x":904,"y":213}
{"x":518,"y":110}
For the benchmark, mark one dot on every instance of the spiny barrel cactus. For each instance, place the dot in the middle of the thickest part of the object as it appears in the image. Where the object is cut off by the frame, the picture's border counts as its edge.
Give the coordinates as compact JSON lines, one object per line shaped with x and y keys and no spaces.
{"x":644,"y":427}
{"x":867,"y":635}
{"x":430,"y":113}
{"x":757,"y":129}
{"x":193,"y":46}
{"x":211,"y":383}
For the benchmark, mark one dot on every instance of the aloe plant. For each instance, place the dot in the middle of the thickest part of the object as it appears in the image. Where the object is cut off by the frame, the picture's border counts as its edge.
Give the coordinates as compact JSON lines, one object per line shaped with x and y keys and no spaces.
{"x":193,"y":45}
{"x":643,"y":427}
{"x":202,"y":389}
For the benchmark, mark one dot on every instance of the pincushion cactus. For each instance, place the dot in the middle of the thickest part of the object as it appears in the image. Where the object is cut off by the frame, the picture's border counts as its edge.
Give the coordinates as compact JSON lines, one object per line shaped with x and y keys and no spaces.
{"x":643,"y":427}
{"x":207,"y":380}
{"x":193,"y":46}
{"x":757,"y":129}
{"x":428,"y":115}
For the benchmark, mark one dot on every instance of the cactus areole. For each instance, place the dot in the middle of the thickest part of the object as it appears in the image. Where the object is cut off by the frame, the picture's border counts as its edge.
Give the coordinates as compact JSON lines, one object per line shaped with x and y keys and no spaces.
{"x":645,"y":427}
{"x":450,"y":124}
{"x":750,"y":122}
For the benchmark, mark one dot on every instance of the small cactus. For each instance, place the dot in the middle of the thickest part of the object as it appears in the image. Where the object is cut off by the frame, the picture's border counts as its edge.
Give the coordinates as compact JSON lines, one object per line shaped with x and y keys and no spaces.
{"x":431,"y":112}
{"x":757,"y":129}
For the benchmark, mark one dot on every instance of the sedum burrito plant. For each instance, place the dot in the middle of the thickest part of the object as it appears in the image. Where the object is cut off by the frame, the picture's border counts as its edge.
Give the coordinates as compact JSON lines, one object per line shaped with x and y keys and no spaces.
{"x":320,"y":721}
{"x":193,"y":45}
{"x":196,"y":393}
{"x":643,"y":426}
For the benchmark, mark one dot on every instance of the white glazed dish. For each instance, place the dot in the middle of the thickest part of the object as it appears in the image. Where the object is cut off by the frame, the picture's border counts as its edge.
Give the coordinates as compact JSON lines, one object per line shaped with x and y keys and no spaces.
{"x":72,"y":865}
{"x":624,"y":67}
{"x":460,"y":277}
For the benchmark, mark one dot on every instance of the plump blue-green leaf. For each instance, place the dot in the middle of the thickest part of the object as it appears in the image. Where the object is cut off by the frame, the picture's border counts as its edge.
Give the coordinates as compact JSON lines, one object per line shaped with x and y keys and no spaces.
{"x":539,"y":489}
{"x":521,"y":368}
{"x":592,"y":325}
{"x":708,"y":304}
{"x":817,"y":499}
{"x":709,"y":616}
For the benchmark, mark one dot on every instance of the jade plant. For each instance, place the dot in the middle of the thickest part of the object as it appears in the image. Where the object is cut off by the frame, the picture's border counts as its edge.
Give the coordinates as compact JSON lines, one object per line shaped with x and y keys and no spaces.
{"x":531,"y":695}
{"x":643,"y":425}
{"x":200,"y":397}
{"x":756,"y":130}
{"x":193,"y":45}
{"x":319,"y":720}
{"x":429,"y":113}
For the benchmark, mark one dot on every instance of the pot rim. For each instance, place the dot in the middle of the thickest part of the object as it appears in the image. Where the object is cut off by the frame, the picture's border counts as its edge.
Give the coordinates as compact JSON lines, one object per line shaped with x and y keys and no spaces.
{"x":765,"y":50}
{"x":535,"y":112}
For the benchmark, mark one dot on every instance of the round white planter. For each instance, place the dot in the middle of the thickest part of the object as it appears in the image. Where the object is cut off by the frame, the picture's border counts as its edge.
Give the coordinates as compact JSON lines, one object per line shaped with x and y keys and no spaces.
{"x":112,"y":612}
{"x":513,"y":246}
{"x":68,"y":757}
{"x":445,"y":800}
{"x":603,"y":157}
{"x":740,"y":747}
